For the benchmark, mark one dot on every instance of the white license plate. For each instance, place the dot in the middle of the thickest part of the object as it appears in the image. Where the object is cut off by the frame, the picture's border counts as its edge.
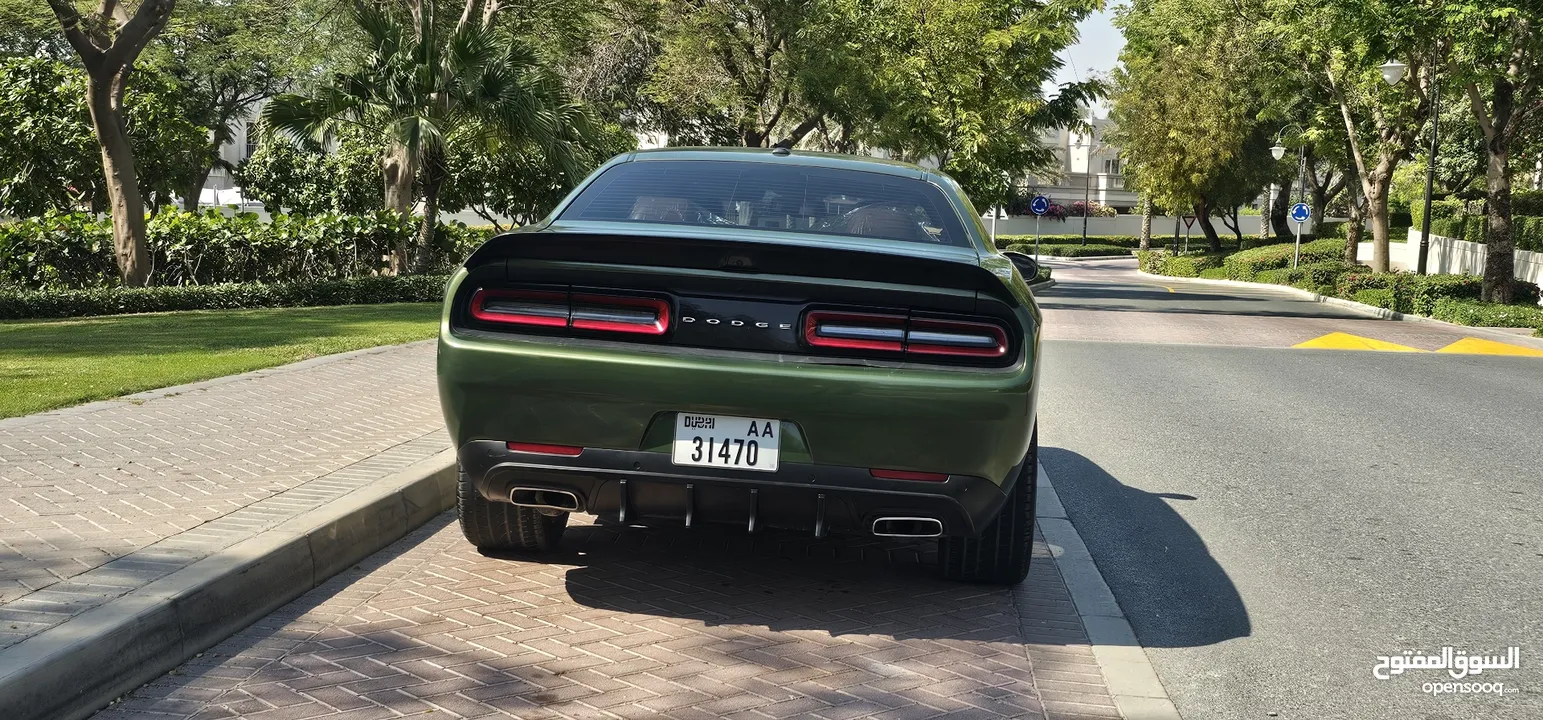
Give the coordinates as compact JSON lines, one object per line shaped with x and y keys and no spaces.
{"x":727,"y":442}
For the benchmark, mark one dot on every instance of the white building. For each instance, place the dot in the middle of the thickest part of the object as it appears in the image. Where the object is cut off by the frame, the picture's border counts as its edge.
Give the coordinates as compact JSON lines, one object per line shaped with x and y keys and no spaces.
{"x":1089,"y":168}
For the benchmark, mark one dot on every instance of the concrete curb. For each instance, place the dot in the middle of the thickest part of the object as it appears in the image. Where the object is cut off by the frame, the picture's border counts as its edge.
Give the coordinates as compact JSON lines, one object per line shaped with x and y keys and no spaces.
{"x":1363,"y":308}
{"x":1041,"y":285}
{"x":1133,"y":683}
{"x":78,"y":667}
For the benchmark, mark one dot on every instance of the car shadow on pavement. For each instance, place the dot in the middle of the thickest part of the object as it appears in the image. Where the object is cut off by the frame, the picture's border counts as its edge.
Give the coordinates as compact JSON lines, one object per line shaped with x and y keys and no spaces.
{"x":781,"y":581}
{"x":650,"y":622}
{"x":1168,"y":584}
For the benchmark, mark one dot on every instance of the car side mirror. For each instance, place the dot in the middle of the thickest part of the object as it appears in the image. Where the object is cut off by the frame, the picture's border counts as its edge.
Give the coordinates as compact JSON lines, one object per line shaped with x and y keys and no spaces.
{"x":1026,"y":264}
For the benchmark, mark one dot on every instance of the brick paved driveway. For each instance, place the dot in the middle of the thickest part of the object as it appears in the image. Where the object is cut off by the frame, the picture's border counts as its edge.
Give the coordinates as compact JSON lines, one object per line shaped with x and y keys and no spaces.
{"x":630,"y":622}
{"x":101,"y":499}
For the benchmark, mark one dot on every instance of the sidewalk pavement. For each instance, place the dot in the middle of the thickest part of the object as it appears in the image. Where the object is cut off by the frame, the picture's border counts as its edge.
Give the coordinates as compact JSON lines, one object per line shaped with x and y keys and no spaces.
{"x":144,"y":530}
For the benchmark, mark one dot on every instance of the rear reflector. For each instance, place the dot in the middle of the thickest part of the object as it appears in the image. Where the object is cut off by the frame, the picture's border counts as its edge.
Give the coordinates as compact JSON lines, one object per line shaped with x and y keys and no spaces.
{"x":902,"y":334}
{"x":542,"y":449}
{"x":907,"y":475}
{"x":559,"y":309}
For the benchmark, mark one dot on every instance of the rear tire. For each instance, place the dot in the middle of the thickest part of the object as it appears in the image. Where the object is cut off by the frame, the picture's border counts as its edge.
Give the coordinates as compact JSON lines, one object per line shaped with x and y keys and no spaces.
{"x":1000,"y":556}
{"x":493,"y":525}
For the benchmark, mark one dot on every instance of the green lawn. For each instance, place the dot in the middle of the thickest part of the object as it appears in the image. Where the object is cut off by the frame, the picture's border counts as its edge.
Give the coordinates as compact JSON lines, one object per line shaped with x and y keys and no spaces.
{"x":46,"y":364}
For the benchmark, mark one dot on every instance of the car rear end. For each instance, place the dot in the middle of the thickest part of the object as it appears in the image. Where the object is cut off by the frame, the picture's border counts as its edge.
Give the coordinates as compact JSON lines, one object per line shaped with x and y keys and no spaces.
{"x":690,"y":373}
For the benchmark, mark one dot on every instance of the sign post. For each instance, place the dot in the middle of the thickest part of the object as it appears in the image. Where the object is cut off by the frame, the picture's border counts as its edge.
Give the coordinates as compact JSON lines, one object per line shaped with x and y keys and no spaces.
{"x":1300,"y":212}
{"x":1189,"y":223}
{"x":1039,"y":206}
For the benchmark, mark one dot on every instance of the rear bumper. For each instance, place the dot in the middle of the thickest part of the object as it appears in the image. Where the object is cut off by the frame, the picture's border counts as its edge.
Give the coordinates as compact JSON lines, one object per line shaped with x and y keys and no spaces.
{"x":638,"y":486}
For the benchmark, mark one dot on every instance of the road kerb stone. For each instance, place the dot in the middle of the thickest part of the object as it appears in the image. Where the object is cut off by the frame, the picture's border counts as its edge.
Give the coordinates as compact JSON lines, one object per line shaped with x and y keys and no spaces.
{"x":1132,"y":682}
{"x":81,"y":665}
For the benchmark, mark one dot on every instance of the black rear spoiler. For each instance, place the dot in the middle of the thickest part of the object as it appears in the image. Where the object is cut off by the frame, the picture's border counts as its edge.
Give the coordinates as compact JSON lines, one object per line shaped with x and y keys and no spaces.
{"x":749,"y":257}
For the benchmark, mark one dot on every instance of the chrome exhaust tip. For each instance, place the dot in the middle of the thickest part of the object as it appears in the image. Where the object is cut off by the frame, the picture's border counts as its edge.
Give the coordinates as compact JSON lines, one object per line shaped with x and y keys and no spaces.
{"x":908,"y":527}
{"x":544,"y":499}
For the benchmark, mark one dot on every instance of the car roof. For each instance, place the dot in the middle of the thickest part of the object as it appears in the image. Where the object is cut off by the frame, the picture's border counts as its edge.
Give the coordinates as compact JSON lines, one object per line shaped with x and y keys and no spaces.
{"x":797,"y":157}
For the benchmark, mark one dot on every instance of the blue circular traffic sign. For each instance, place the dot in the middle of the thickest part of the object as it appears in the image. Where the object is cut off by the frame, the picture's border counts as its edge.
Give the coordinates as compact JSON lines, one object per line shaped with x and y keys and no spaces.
{"x":1300,"y":212}
{"x":1039,"y":205}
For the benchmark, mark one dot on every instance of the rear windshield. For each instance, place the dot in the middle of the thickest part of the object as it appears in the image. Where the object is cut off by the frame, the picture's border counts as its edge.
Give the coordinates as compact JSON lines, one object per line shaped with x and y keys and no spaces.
{"x":765,"y":196}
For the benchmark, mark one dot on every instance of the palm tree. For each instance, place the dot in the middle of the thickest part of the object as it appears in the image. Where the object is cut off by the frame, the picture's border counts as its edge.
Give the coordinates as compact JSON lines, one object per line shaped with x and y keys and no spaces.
{"x":423,"y":88}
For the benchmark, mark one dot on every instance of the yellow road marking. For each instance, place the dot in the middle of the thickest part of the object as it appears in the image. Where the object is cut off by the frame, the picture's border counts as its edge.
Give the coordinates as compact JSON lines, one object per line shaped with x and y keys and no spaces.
{"x":1479,"y":346}
{"x":1346,"y":341}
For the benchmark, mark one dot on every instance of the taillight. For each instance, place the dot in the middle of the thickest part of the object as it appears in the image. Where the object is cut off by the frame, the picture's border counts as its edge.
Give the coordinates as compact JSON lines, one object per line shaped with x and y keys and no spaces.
{"x":855,"y":331}
{"x":882,"y":332}
{"x":616,"y":313}
{"x":544,"y":308}
{"x":578,"y":311}
{"x":955,"y":337}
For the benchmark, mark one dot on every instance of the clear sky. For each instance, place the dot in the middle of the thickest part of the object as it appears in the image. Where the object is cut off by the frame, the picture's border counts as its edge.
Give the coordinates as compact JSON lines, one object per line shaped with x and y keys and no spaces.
{"x":1098,"y":51}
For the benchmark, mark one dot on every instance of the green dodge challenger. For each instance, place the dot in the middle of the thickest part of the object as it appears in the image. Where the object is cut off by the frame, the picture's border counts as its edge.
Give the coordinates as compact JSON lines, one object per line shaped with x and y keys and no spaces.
{"x":760,"y":337}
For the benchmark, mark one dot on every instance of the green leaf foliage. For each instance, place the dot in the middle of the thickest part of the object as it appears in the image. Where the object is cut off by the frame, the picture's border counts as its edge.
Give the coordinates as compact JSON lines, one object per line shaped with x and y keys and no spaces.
{"x":24,"y":304}
{"x":74,"y":250}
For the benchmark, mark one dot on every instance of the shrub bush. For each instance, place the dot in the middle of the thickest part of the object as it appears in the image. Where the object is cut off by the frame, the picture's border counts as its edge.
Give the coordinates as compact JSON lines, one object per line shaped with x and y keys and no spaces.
{"x":1273,"y":276}
{"x":74,"y":250}
{"x":1191,"y":265}
{"x":1375,"y":296}
{"x":1075,"y":251}
{"x":1475,"y":313}
{"x":1245,"y":264}
{"x":1442,"y":209}
{"x":21,"y":304}
{"x":1318,"y":276}
{"x":1151,"y":261}
{"x":1424,"y":292}
{"x":1215,"y":273}
{"x":1527,"y":202}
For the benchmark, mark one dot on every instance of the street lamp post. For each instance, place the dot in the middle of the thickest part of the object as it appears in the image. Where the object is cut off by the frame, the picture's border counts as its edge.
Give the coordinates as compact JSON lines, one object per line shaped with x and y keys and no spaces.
{"x":1087,"y":188}
{"x":1392,"y":73}
{"x":1278,"y":152}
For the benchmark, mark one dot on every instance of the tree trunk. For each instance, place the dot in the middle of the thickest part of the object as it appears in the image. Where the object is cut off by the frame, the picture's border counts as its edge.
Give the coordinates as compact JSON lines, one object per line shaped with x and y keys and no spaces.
{"x":1377,"y":205}
{"x":1499,"y":243}
{"x":425,"y":250}
{"x":398,"y":169}
{"x":1203,"y":215}
{"x":196,"y":188}
{"x":1357,"y":220}
{"x":1278,"y":211}
{"x":1146,"y":224}
{"x":126,"y":204}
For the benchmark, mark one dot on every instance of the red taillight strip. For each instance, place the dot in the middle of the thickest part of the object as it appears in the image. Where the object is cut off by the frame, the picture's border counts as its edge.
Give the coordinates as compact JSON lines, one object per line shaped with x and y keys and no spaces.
{"x":932,"y":331}
{"x":555,"y":303}
{"x":656,"y":324}
{"x":907,"y":475}
{"x":814,"y":321}
{"x":544,"y":449}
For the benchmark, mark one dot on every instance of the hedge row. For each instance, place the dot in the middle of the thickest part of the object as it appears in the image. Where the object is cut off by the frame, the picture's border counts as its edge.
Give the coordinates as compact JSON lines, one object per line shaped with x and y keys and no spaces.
{"x":1526,"y":231}
{"x":21,"y":304}
{"x":1454,"y":298}
{"x":1128,"y":242}
{"x":1245,"y":264}
{"x":1159,"y":262}
{"x":75,"y":250}
{"x":1072,"y":251}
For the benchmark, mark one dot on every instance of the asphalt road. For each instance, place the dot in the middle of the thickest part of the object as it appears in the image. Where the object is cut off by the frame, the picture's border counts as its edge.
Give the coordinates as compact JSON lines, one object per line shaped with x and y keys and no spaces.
{"x":1272,"y":519}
